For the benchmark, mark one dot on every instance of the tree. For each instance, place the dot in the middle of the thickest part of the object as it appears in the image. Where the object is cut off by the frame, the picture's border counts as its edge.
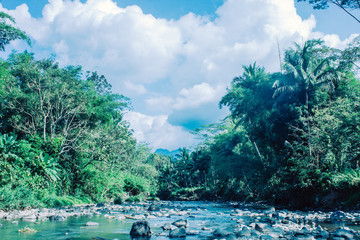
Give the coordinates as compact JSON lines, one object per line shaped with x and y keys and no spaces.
{"x":8,"y":32}
{"x":307,"y":68}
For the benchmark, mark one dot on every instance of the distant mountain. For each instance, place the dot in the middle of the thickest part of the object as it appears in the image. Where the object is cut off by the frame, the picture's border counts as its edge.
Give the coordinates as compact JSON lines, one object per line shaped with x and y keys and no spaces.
{"x":166,"y":152}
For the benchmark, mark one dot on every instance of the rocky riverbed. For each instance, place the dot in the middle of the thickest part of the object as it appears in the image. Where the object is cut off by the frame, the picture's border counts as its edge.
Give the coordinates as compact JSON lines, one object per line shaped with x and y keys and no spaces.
{"x":168,"y":220}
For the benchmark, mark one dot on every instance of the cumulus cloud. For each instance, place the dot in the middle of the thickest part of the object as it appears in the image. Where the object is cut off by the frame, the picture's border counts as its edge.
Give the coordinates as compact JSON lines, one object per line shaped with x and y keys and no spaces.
{"x":185,"y":64}
{"x":157,"y":131}
{"x":188,"y":98}
{"x":197,"y":95}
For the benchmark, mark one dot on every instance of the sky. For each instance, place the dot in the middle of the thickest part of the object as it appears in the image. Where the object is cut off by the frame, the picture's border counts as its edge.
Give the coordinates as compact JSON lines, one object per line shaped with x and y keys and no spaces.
{"x":173,"y":59}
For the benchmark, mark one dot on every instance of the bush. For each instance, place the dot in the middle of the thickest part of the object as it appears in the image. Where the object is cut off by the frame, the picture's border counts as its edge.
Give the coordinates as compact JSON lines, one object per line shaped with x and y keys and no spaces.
{"x":18,"y":197}
{"x":54,"y":201}
{"x":136,"y":198}
{"x":135,"y":185}
{"x":118,"y":201}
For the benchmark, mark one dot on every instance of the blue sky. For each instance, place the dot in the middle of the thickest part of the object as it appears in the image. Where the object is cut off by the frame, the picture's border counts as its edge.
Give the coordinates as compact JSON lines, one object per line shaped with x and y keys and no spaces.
{"x":176,"y":58}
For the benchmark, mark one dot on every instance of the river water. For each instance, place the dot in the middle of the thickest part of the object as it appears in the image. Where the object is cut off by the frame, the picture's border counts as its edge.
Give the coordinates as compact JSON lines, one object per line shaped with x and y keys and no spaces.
{"x":203,"y":219}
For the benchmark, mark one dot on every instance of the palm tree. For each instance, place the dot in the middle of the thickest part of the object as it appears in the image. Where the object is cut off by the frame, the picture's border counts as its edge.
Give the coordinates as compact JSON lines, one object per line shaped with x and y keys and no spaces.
{"x":307,"y":68}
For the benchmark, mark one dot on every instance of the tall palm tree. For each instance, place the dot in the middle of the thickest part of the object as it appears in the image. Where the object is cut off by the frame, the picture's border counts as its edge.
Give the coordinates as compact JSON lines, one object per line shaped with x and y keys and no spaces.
{"x":307,"y":67}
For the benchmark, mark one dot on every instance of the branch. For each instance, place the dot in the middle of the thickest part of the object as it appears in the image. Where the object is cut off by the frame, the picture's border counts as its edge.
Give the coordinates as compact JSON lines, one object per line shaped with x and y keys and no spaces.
{"x":341,"y":6}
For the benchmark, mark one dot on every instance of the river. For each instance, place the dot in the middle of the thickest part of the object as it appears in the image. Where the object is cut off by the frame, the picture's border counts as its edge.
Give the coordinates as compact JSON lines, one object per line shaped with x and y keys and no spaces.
{"x":206,"y":220}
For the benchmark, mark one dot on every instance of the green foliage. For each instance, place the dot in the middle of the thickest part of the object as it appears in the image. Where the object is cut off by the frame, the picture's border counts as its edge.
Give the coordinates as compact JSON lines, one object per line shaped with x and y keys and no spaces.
{"x":349,"y":178}
{"x":55,"y":201}
{"x":135,"y":185}
{"x":8,"y":32}
{"x":19,"y":195}
{"x":61,"y":131}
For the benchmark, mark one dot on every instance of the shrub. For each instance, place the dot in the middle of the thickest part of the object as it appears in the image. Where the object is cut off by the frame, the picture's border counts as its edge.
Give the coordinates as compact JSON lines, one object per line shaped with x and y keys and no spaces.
{"x":18,"y":197}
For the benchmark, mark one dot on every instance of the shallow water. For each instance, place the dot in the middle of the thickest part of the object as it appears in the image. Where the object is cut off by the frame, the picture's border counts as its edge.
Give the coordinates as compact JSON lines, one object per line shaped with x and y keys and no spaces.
{"x":202,"y":214}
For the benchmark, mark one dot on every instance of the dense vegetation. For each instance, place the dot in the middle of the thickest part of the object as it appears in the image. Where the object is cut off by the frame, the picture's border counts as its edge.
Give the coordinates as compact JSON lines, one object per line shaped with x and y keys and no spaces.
{"x":292,"y":137}
{"x":62,"y":137}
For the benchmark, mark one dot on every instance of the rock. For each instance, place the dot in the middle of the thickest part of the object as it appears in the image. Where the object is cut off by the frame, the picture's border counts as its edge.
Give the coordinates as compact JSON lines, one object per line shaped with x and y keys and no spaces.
{"x":160,"y":234}
{"x":244,"y":232}
{"x":270,"y":210}
{"x":100,"y":205}
{"x":32,"y":216}
{"x":221,"y":233}
{"x":340,"y":232}
{"x":153,"y":208}
{"x":192,"y":232}
{"x":57,"y":218}
{"x":181,"y":223}
{"x":284,"y":221}
{"x":177,"y":233}
{"x":303,"y":231}
{"x":135,"y":217}
{"x":140,"y":228}
{"x":120,"y":217}
{"x":261,"y":227}
{"x":182,"y":213}
{"x":168,"y":226}
{"x":338,"y":216}
{"x":322,"y":235}
{"x":307,"y":237}
{"x":92,"y":224}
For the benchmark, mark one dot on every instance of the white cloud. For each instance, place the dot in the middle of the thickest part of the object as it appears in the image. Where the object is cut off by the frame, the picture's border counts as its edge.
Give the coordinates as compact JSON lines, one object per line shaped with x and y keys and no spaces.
{"x":157,"y":131}
{"x":135,"y":88}
{"x":161,"y":103}
{"x":188,"y":98}
{"x":197,"y":95}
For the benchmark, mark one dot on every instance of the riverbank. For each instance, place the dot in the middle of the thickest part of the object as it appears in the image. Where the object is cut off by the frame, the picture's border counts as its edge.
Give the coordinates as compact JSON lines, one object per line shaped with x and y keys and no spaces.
{"x":197,"y":220}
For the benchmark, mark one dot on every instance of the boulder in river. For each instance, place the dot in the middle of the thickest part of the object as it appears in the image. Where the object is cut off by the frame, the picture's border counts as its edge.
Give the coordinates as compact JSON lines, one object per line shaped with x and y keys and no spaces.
{"x":140,"y":229}
{"x":220,"y":233}
{"x":181,"y":223}
{"x":168,"y":226}
{"x":153,"y":208}
{"x":177,"y":233}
